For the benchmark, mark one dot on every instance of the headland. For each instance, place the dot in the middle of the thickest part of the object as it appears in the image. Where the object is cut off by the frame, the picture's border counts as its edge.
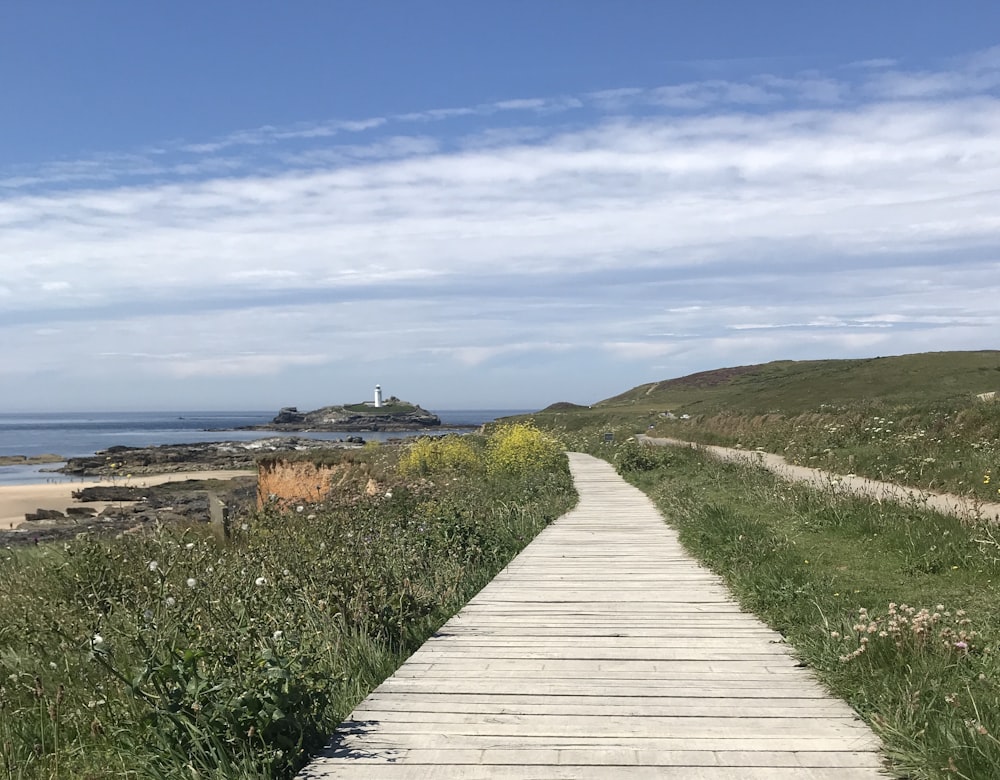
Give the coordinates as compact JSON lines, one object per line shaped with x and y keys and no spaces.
{"x":391,"y":415}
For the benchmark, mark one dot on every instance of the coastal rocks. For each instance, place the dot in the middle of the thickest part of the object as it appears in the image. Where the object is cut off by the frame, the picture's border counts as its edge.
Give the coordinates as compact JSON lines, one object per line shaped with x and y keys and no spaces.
{"x":44,"y":514}
{"x":185,"y":503}
{"x":290,"y":415}
{"x":29,"y":460}
{"x":394,"y":415}
{"x":119,"y":461}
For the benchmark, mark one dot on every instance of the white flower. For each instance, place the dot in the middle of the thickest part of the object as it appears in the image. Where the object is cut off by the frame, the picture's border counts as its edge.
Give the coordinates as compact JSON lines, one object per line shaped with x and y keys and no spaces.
{"x":170,"y":601}
{"x":189,"y":546}
{"x":153,"y":566}
{"x":300,"y":508}
{"x":97,"y":641}
{"x":191,"y":582}
{"x":277,"y":635}
{"x":245,"y":527}
{"x":260,"y":581}
{"x":52,"y":665}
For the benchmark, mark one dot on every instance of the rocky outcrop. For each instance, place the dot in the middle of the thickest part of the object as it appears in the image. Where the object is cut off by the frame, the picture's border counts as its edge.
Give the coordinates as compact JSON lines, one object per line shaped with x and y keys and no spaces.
{"x":119,"y":460}
{"x":395,"y":415}
{"x":183,"y":504}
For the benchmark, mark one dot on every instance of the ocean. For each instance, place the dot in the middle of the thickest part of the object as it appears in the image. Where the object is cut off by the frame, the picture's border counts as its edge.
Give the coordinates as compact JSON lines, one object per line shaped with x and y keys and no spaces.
{"x":81,"y":433}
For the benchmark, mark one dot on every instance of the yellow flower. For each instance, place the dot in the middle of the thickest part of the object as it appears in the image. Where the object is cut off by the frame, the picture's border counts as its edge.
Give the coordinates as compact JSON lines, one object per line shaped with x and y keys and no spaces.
{"x":986,"y":479}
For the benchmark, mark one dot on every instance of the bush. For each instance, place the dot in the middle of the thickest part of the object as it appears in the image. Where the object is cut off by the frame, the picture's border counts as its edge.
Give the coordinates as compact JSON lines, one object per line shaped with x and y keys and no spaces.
{"x":439,"y":455}
{"x":633,"y":456}
{"x":520,"y":449}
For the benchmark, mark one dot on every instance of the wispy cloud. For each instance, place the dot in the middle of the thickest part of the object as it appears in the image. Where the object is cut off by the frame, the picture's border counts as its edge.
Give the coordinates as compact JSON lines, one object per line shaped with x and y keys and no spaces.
{"x":698,"y":222}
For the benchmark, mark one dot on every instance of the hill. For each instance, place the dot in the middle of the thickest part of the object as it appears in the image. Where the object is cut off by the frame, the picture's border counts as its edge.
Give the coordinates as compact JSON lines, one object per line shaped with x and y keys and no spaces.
{"x":792,"y":387}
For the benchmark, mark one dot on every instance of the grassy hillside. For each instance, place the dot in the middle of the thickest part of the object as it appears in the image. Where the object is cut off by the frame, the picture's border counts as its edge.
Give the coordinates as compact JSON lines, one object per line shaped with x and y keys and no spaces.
{"x":911,"y":419}
{"x":791,"y":387}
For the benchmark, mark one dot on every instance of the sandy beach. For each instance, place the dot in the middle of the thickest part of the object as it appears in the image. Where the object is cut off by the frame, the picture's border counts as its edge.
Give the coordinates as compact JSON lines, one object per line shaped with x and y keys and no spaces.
{"x":16,"y":500}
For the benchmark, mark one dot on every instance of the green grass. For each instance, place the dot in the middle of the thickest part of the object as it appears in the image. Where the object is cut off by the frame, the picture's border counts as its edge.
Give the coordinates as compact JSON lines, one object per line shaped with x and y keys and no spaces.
{"x":174,"y":655}
{"x":953,"y":448}
{"x":385,"y":409}
{"x":914,"y":419}
{"x":792,"y":387}
{"x":832,"y":574}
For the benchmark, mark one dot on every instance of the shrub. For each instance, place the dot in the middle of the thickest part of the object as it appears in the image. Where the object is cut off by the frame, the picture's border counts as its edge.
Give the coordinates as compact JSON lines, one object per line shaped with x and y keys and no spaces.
{"x":520,"y":449}
{"x":633,"y":456}
{"x":438,"y":455}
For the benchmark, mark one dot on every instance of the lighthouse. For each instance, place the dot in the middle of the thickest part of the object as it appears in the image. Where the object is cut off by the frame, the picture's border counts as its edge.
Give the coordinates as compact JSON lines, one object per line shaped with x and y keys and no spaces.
{"x":378,"y":396}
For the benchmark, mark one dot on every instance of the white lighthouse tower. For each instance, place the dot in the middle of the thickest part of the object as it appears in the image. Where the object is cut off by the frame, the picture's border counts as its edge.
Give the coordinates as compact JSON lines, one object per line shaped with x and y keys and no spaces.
{"x":378,"y":396}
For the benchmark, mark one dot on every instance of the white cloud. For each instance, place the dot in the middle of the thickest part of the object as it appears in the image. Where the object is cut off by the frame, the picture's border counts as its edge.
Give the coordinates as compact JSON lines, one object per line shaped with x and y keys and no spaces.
{"x":708,"y":222}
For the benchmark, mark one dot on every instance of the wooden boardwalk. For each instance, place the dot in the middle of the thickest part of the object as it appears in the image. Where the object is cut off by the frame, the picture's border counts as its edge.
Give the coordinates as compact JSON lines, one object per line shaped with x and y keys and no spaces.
{"x":602,"y":651}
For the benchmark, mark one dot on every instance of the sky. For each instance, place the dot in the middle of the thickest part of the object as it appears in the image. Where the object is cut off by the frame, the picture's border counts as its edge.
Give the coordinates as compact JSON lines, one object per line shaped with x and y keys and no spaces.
{"x":249,"y":205}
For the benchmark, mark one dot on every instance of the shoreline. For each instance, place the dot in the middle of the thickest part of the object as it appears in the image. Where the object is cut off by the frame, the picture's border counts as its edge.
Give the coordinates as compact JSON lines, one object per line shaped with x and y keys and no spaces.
{"x":17,"y":500}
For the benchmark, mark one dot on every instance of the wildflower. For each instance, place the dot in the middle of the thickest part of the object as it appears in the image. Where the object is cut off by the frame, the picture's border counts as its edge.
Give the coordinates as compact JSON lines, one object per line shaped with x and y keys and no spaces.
{"x":191,"y":582}
{"x":961,"y":645}
{"x":277,"y":635}
{"x":189,"y":546}
{"x":52,"y":665}
{"x":97,"y":642}
{"x":170,"y":601}
{"x":244,"y":527}
{"x":260,"y":581}
{"x":986,"y":479}
{"x":153,"y":566}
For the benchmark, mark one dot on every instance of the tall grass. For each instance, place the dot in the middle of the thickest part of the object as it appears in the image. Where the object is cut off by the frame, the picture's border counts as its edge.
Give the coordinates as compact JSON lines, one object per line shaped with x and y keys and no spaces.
{"x":173,"y":654}
{"x":951,"y":447}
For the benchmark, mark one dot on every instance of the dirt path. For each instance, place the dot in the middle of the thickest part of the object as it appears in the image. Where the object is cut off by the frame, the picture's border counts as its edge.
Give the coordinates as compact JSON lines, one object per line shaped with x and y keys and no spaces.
{"x":845,"y":483}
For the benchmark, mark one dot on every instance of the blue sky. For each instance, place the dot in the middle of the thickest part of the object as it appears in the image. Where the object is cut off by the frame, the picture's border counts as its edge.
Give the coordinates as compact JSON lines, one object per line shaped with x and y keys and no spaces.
{"x":249,"y":205}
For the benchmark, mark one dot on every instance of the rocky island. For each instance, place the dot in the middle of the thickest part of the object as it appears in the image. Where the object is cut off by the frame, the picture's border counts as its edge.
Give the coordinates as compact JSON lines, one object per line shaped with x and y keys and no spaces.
{"x":390,"y":415}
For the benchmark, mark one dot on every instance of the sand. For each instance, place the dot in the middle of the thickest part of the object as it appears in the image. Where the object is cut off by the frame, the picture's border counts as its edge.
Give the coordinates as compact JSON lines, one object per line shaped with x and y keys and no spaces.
{"x":16,"y":500}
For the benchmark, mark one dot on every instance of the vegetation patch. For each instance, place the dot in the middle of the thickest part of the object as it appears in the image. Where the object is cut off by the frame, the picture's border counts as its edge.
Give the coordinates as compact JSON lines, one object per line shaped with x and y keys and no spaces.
{"x":894,"y":607}
{"x":174,"y":654}
{"x":385,"y":409}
